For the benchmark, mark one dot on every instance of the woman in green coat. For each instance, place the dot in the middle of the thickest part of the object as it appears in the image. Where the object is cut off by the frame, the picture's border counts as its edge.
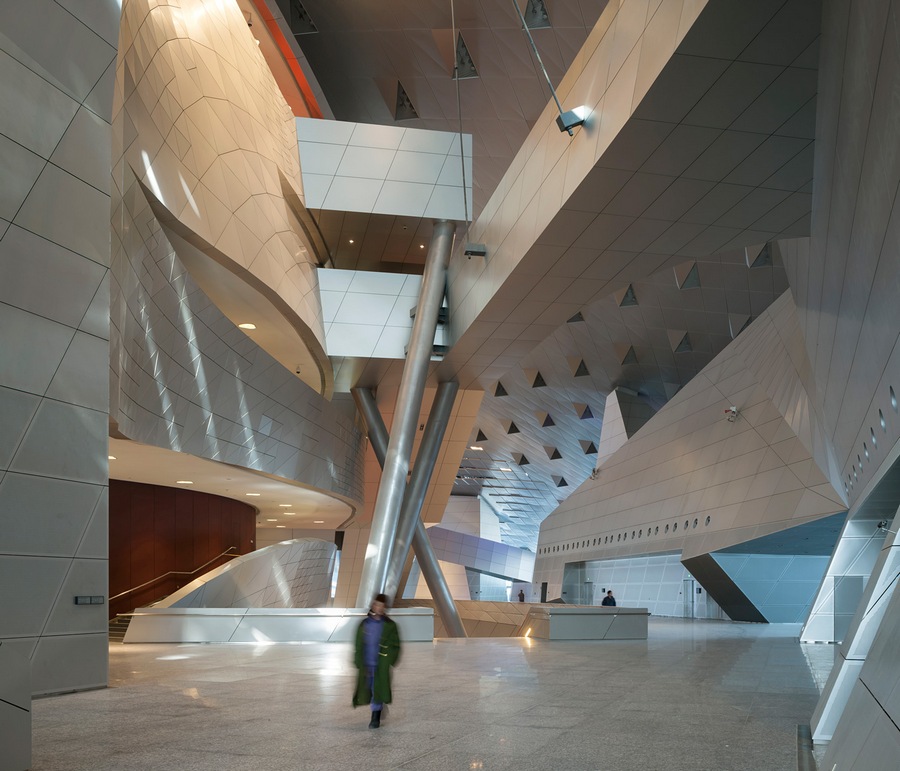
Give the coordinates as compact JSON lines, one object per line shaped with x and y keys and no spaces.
{"x":377,"y":650}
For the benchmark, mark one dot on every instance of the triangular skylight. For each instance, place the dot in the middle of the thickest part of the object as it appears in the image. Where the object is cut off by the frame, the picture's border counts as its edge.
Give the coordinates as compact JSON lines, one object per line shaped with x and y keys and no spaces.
{"x":684,"y":346}
{"x":465,"y":67}
{"x":687,"y":276}
{"x":300,"y":21}
{"x":629,"y":298}
{"x":536,"y":16}
{"x":404,"y":109}
{"x":758,"y":256}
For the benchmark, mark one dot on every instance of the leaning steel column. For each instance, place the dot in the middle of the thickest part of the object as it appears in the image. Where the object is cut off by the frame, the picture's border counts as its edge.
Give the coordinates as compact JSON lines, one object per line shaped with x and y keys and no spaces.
{"x":428,"y":563}
{"x":406,"y":414}
{"x":437,"y":584}
{"x":422,"y":471}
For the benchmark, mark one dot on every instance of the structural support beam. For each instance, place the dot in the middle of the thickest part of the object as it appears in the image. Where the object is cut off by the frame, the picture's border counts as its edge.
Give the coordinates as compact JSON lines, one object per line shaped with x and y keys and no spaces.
{"x":425,"y":555}
{"x":423,"y":469}
{"x":406,"y":413}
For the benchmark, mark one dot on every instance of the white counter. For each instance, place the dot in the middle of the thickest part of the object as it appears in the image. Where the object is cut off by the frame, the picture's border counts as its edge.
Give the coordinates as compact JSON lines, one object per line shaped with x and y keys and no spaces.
{"x":260,"y":625}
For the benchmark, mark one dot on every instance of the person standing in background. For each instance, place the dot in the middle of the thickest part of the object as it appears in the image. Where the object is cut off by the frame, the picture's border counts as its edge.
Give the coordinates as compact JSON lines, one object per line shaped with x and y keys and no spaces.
{"x":609,"y":601}
{"x":521,"y":595}
{"x":377,"y":651}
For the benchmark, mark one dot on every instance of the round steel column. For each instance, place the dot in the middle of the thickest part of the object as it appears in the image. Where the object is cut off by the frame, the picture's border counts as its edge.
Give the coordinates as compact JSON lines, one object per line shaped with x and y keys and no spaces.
{"x":428,"y":563}
{"x":422,"y":472}
{"x":406,"y":415}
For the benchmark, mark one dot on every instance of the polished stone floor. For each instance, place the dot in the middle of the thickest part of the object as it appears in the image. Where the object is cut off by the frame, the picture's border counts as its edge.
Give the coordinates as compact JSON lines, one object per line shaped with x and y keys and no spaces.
{"x":697,"y":695}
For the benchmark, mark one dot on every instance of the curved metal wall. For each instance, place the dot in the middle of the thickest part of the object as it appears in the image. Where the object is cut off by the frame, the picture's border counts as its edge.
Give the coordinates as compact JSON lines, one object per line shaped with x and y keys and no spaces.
{"x":201,"y":125}
{"x":183,"y":376}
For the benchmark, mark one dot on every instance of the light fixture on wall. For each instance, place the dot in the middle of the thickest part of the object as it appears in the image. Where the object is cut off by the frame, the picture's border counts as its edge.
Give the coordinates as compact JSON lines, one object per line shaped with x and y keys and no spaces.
{"x":567,"y":119}
{"x":883,"y":525}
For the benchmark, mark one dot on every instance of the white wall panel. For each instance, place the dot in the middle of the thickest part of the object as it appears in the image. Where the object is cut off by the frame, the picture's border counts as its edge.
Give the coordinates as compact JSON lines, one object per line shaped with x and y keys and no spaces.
{"x":45,"y":515}
{"x":692,"y":481}
{"x":846,"y":283}
{"x":360,"y":167}
{"x":291,"y":574}
{"x":55,"y":155}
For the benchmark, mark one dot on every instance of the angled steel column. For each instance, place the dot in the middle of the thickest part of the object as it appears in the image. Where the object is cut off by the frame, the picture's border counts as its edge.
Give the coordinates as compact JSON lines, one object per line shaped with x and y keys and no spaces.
{"x":425,"y":555}
{"x":422,"y":471}
{"x":437,"y":584}
{"x":406,"y":414}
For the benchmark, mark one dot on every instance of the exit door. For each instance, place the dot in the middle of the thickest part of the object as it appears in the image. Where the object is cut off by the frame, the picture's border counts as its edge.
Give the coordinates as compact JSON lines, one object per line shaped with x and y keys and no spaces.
{"x":687,"y":592}
{"x":588,"y":593}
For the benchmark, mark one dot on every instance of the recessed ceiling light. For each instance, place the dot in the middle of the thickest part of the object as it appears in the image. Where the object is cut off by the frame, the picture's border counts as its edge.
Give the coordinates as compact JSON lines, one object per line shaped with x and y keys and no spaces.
{"x":318,"y":521}
{"x":271,"y":520}
{"x":506,"y":469}
{"x":351,"y":240}
{"x":475,"y":447}
{"x":247,"y":326}
{"x":280,"y":525}
{"x":112,"y":457}
{"x":421,"y":246}
{"x":184,"y":482}
{"x":285,"y":505}
{"x":290,"y":513}
{"x":253,"y":495}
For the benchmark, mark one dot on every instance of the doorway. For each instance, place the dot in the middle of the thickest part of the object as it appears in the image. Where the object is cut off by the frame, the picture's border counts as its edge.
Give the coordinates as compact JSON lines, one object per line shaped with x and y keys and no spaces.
{"x":687,"y":591}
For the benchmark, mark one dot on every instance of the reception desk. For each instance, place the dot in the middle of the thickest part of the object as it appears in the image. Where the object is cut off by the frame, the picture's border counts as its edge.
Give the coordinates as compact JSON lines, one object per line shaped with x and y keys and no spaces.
{"x":561,"y":622}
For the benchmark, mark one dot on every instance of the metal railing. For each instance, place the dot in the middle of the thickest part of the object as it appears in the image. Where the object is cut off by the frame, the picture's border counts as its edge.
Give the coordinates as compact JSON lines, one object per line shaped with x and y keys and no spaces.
{"x":226,"y":553}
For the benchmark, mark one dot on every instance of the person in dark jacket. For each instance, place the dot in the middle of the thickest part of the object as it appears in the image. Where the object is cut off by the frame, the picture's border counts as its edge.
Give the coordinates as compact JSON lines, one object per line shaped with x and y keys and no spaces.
{"x":609,"y":601}
{"x":377,"y":650}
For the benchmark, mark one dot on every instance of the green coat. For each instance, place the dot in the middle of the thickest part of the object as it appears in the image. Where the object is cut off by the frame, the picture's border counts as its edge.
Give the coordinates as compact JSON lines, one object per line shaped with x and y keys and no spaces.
{"x":388,"y":654}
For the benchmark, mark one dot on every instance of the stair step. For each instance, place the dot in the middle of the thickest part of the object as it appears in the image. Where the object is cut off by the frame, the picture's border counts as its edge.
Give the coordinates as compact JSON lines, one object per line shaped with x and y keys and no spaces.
{"x":118,"y":626}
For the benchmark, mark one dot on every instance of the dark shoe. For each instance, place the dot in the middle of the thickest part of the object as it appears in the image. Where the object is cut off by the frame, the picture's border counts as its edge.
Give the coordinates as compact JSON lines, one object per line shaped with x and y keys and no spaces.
{"x":375,"y":722}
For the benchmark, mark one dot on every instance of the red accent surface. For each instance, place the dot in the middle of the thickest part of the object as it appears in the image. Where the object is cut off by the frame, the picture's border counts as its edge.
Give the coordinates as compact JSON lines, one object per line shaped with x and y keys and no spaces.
{"x":154,"y":530}
{"x":312,"y":106}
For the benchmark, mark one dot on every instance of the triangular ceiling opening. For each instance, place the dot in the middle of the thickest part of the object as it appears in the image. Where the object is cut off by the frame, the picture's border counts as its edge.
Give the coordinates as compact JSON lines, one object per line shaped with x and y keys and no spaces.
{"x":465,"y":67}
{"x":404,"y":109}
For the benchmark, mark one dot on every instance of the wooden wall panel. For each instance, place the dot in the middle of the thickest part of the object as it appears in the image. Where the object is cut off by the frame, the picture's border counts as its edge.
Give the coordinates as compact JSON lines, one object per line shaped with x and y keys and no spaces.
{"x":154,"y":530}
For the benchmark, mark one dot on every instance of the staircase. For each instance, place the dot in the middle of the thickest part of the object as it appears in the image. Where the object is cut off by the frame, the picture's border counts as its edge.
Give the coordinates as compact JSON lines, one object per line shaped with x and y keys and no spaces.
{"x":117,"y":628}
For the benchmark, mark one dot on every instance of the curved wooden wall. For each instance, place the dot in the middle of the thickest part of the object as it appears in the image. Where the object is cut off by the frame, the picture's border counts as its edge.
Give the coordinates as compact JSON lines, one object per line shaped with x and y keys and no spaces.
{"x":154,"y":530}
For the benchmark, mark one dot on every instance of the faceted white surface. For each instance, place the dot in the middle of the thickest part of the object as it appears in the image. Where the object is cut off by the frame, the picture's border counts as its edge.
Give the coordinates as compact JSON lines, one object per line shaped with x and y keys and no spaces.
{"x":53,"y":471}
{"x":383,"y":169}
{"x":292,"y":574}
{"x":367,"y":313}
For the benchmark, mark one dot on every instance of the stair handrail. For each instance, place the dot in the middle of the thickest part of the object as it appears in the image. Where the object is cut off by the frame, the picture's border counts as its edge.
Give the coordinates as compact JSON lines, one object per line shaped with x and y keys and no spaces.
{"x":225,"y":553}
